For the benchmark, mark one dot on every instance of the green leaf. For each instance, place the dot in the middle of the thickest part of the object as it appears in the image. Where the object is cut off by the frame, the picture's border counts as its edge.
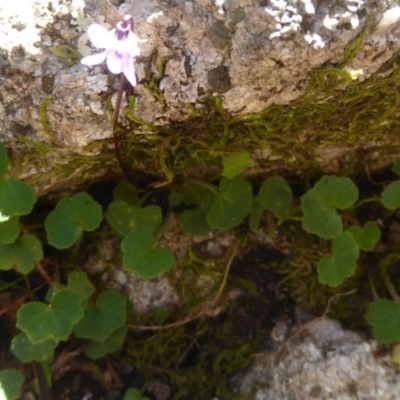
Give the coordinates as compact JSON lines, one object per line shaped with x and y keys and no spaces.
{"x":105,"y":317}
{"x":9,"y":230}
{"x":23,"y":254}
{"x":235,"y":164}
{"x":126,"y":192}
{"x":70,"y":216}
{"x":319,"y":219}
{"x":142,"y":257}
{"x":336,"y":192}
{"x":391,"y":195}
{"x":79,"y":282}
{"x":175,"y":199}
{"x":232,"y":204}
{"x":16,"y":197}
{"x":26,"y":351}
{"x":113,"y":343}
{"x":384,"y":316}
{"x":368,"y":237}
{"x":3,"y":160}
{"x":192,"y":193}
{"x":134,"y":394}
{"x":42,"y":322}
{"x":194,"y":222}
{"x":396,"y":167}
{"x":123,"y":217}
{"x":320,"y":202}
{"x":11,"y":381}
{"x":333,"y":270}
{"x":275,"y":195}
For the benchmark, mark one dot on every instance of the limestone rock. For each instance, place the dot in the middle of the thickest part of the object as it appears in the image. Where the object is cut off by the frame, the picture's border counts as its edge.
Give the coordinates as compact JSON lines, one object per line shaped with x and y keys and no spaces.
{"x":323,"y":362}
{"x":254,"y":53}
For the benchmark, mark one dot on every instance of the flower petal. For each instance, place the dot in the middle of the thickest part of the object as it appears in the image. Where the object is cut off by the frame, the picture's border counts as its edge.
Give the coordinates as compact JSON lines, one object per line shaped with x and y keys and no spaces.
{"x":115,"y":62}
{"x":100,"y":37}
{"x":129,"y":70}
{"x":94,"y":59}
{"x":132,"y":45}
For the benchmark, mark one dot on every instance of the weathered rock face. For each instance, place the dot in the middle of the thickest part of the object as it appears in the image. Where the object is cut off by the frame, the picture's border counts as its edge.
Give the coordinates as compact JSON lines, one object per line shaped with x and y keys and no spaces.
{"x":254,"y":53}
{"x":323,"y":362}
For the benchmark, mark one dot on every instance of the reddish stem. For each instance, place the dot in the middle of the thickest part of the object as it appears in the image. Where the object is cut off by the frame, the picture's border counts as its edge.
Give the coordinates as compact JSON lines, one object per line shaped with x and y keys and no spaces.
{"x":115,"y":134}
{"x":118,"y":102}
{"x":20,"y":300}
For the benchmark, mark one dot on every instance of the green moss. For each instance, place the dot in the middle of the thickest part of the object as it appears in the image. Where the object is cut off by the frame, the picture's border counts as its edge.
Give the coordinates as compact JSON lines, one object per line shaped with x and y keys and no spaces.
{"x":335,"y":110}
{"x":65,"y":51}
{"x":48,"y":100}
{"x":356,"y":45}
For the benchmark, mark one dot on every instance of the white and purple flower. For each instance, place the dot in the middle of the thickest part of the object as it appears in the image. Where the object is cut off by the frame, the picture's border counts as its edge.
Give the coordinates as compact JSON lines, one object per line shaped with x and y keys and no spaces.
{"x":120,"y":48}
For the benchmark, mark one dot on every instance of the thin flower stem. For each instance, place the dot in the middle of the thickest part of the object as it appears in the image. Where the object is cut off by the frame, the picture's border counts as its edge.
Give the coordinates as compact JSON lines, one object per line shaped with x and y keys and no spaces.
{"x":118,"y":102}
{"x":115,"y":133}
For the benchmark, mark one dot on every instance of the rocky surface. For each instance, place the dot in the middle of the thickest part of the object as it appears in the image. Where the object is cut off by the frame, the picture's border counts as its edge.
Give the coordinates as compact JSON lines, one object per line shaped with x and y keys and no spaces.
{"x":321,"y":361}
{"x":255,"y":53}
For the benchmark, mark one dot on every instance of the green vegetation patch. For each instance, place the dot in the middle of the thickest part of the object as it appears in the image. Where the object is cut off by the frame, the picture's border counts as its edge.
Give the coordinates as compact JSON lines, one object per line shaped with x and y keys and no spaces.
{"x":314,"y":220}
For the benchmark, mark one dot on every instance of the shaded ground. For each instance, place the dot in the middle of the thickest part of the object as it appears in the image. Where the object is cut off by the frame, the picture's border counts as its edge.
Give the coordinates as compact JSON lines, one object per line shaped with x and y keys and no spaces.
{"x":203,"y":353}
{"x":197,"y":360}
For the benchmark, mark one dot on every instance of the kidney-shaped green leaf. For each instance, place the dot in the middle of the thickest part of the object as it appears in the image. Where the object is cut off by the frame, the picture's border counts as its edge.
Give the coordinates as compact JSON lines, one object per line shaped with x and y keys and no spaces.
{"x":26,"y":351}
{"x":126,"y":192}
{"x":319,"y":219}
{"x":16,"y":197}
{"x":232,"y":204}
{"x":123,"y":217}
{"x":9,"y":230}
{"x":70,"y":216}
{"x":113,"y":343}
{"x":142,"y":257}
{"x":41,"y":322}
{"x":336,"y":192}
{"x":22,"y":255}
{"x":319,"y":205}
{"x":366,"y":237}
{"x":334,"y":269}
{"x":194,"y":221}
{"x":78,"y":281}
{"x":275,"y":195}
{"x":391,"y":195}
{"x":384,"y":316}
{"x":235,"y":163}
{"x":105,"y":317}
{"x":396,"y":167}
{"x":11,"y":381}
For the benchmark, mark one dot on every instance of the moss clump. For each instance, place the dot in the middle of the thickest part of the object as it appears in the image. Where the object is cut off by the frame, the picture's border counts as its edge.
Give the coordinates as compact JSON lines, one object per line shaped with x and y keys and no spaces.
{"x":335,"y":110}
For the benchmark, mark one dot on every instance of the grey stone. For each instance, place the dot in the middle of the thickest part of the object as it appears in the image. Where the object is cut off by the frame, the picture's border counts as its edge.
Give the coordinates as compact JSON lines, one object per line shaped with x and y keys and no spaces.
{"x":324,"y":362}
